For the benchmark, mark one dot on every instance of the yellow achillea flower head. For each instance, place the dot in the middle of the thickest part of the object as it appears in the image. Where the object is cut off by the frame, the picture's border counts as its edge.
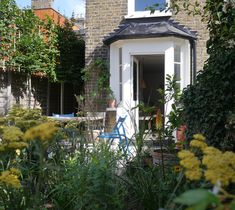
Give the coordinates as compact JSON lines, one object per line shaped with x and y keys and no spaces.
{"x":12,"y":139}
{"x":215,"y":166}
{"x":199,"y":137}
{"x":44,"y":131}
{"x":17,"y":145}
{"x":185,"y":154}
{"x":198,"y":144}
{"x":10,"y":178}
{"x":212,"y":151}
{"x":12,"y":134}
{"x":229,"y":158}
{"x":190,"y":163}
{"x":220,"y":167}
{"x":194,"y":175}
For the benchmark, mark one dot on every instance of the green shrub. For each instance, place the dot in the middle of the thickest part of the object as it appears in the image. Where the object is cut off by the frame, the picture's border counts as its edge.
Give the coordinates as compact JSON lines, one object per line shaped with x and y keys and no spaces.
{"x":89,"y":182}
{"x":207,"y":103}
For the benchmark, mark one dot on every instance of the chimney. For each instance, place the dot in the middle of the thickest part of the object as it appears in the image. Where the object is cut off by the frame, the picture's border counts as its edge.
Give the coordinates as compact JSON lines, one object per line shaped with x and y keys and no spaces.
{"x":41,"y":4}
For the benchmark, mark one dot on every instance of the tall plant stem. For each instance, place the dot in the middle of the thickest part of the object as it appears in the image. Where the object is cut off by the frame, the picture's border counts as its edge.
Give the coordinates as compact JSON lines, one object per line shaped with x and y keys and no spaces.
{"x":162,"y":156}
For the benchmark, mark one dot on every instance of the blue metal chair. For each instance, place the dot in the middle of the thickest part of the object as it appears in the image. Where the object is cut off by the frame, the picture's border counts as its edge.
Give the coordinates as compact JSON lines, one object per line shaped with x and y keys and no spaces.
{"x":118,"y":132}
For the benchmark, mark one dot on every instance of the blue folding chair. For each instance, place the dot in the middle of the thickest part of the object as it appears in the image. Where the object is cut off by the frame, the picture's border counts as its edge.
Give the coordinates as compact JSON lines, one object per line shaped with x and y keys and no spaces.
{"x":118,"y":132}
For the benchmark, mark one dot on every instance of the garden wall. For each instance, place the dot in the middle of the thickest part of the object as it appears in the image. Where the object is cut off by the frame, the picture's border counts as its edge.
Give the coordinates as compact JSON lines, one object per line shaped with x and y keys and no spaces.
{"x":16,"y":89}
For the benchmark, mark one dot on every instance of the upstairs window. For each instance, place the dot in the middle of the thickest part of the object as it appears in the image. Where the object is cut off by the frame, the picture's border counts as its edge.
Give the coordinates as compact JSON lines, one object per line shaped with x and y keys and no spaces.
{"x":139,"y":8}
{"x":141,"y":5}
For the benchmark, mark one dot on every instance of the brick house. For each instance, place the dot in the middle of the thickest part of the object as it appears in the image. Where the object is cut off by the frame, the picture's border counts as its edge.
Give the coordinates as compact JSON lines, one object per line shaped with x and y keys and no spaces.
{"x":142,"y":48}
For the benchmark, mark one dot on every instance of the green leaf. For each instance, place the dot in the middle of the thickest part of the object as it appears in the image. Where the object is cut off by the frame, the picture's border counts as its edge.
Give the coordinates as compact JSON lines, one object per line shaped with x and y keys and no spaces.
{"x":199,"y":199}
{"x":232,"y":205}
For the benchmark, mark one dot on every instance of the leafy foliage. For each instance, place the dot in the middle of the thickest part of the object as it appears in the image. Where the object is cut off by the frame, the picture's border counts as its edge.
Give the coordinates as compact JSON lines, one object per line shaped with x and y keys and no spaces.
{"x":32,"y":46}
{"x":28,"y":44}
{"x":8,"y":14}
{"x":89,"y":182}
{"x":208,"y":102}
{"x":72,"y":49}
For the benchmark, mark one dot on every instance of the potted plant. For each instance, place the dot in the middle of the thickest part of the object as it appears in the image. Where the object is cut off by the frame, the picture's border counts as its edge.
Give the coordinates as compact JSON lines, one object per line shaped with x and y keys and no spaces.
{"x":111,"y":99}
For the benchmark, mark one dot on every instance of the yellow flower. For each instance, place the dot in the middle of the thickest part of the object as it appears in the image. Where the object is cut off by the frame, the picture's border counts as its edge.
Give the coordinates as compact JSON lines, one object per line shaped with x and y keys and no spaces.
{"x":15,"y":171}
{"x":193,"y":175}
{"x":214,"y":176}
{"x":219,"y":167}
{"x":17,"y":145}
{"x":209,"y":161}
{"x":43,"y":132}
{"x":229,"y":157}
{"x":199,"y":137}
{"x":190,"y":163}
{"x":18,"y":152}
{"x":12,"y":134}
{"x":198,"y":144}
{"x":212,"y":151}
{"x":177,"y":168}
{"x":10,"y":178}
{"x":185,"y":154}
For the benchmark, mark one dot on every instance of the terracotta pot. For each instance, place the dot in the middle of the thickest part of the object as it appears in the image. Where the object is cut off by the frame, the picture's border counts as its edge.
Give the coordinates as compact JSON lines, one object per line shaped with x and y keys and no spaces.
{"x":112,"y":103}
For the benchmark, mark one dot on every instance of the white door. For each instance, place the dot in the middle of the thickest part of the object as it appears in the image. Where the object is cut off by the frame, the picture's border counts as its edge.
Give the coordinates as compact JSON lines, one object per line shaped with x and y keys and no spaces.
{"x":135,"y":90}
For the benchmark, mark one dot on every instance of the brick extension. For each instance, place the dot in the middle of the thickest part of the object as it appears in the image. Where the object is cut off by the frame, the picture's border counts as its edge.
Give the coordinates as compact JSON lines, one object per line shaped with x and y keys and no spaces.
{"x":103,"y":16}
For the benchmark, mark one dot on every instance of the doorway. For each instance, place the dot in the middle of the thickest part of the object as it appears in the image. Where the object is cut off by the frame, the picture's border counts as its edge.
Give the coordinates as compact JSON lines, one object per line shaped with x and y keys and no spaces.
{"x":151,"y":77}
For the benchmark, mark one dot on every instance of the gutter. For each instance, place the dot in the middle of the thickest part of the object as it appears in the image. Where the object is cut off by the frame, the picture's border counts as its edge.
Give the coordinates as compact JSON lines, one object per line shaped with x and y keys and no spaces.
{"x":193,"y":64}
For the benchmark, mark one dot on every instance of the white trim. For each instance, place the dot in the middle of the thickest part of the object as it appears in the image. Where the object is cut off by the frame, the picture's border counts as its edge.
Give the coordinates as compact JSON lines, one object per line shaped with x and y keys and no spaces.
{"x":151,"y":46}
{"x":140,"y":14}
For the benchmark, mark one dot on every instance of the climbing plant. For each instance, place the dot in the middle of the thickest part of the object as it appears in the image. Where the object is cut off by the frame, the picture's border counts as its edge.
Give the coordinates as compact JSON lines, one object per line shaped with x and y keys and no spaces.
{"x":208,"y":102}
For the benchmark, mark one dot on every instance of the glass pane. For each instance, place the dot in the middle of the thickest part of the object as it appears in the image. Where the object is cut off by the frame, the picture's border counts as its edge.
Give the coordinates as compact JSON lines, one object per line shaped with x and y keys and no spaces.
{"x":140,"y":5}
{"x":135,"y":81}
{"x":177,"y":71}
{"x":177,"y":54}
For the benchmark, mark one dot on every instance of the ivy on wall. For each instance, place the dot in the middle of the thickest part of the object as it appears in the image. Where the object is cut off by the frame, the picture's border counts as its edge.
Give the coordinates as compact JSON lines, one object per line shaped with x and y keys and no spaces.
{"x":209,"y":102}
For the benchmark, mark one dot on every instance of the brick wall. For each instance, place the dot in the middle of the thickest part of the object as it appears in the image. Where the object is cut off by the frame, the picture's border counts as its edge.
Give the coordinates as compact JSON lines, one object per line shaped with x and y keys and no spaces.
{"x":103,"y":16}
{"x":195,"y":24}
{"x":53,"y":14}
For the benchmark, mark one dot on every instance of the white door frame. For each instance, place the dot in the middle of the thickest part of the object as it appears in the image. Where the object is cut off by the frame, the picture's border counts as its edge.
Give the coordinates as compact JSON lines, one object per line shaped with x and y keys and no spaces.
{"x":150,"y":46}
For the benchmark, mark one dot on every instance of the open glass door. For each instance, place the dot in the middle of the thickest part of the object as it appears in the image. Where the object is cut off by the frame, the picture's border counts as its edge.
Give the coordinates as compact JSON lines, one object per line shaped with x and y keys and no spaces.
{"x":135,"y":71}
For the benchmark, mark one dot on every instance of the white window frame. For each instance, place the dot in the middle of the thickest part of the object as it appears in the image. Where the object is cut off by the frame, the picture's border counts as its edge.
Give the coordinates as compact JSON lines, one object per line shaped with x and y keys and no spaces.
{"x":120,"y":67}
{"x":139,"y":14}
{"x":180,"y":65}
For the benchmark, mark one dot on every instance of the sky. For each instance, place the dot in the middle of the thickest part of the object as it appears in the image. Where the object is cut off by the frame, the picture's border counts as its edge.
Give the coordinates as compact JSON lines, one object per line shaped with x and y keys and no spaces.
{"x":65,"y":7}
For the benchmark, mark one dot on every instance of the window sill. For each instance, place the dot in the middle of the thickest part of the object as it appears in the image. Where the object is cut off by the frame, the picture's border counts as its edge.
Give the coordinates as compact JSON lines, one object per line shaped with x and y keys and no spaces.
{"x":146,"y":14}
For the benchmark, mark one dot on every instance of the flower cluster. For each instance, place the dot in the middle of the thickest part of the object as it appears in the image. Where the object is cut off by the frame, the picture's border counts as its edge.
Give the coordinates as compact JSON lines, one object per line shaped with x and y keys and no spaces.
{"x":10,"y":178}
{"x":215,"y":165}
{"x":44,"y":131}
{"x":220,"y":166}
{"x":12,"y":139}
{"x":198,"y":142}
{"x":191,"y":163}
